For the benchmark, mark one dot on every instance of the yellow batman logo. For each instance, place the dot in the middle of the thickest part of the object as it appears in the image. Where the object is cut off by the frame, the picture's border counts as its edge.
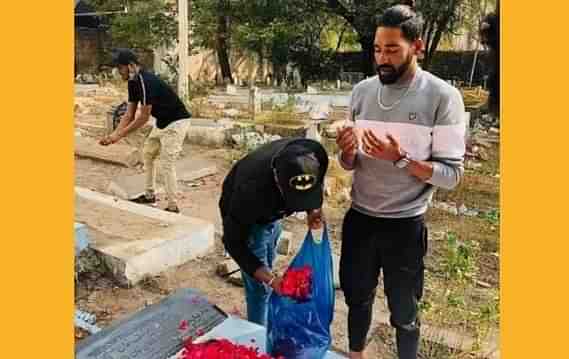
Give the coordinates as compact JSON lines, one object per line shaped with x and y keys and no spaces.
{"x":302,"y":182}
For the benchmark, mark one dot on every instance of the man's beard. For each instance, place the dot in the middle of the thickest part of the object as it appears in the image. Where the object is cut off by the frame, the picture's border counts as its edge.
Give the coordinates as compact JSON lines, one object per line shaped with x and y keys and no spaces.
{"x":392,"y":74}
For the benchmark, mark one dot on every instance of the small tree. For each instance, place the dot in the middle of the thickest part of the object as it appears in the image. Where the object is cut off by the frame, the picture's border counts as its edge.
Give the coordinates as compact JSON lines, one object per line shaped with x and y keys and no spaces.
{"x":441,"y":17}
{"x":284,"y":32}
{"x":211,"y":29}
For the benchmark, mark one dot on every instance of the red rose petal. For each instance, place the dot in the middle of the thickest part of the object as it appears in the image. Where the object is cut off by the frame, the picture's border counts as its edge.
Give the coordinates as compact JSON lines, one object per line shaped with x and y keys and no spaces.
{"x":183,"y":325}
{"x":221,"y":349}
{"x":297,"y":283}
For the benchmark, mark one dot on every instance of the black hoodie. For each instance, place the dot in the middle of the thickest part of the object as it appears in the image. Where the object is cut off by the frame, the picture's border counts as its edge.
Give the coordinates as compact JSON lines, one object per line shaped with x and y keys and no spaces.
{"x":250,"y":196}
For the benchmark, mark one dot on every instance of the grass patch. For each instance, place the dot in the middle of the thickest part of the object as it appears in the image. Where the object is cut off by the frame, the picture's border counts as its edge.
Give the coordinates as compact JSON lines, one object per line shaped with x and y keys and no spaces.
{"x":382,"y":343}
{"x":462,"y":277}
{"x":475,"y":229}
{"x":493,"y":216}
{"x":479,"y":188}
{"x":459,"y":262}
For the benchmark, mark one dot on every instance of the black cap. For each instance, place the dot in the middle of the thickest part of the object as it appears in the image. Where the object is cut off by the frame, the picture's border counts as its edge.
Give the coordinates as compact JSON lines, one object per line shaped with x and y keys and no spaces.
{"x":300,"y":168}
{"x":123,"y":57}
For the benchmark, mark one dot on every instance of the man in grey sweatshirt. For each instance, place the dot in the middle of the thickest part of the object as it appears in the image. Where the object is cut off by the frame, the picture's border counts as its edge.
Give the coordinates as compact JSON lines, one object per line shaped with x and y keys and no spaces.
{"x":404,"y":138}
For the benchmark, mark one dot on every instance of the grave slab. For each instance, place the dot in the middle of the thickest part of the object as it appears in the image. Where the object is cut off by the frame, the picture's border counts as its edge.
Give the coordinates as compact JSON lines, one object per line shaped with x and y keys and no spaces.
{"x":239,"y":99}
{"x":188,"y":169}
{"x":154,"y":332}
{"x":135,"y":241}
{"x":118,"y":153}
{"x":242,"y":332}
{"x":81,"y":238}
{"x":209,"y":132}
{"x":91,"y":128}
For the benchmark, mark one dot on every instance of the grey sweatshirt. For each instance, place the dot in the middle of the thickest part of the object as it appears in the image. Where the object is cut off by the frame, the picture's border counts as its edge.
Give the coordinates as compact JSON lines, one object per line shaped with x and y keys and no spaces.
{"x":429,"y":123}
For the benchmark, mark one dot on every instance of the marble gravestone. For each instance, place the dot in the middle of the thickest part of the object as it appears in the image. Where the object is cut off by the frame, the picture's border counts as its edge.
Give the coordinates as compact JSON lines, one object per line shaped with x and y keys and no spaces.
{"x":154,"y":332}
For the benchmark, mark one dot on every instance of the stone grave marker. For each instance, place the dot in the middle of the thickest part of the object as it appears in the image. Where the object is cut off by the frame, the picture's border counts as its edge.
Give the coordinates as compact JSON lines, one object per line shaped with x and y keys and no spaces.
{"x":154,"y":332}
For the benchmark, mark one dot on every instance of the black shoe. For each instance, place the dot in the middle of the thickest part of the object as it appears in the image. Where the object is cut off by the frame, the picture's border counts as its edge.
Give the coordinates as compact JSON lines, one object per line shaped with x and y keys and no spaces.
{"x":172,"y":209}
{"x":145,"y":199}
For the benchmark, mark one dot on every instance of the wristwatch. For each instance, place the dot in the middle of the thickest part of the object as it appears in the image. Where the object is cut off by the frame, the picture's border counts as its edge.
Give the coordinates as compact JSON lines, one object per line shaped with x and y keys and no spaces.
{"x":403,"y":162}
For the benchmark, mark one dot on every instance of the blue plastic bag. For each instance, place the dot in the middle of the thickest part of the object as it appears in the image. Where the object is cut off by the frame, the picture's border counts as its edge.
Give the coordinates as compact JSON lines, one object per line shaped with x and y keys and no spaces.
{"x":301,"y":330}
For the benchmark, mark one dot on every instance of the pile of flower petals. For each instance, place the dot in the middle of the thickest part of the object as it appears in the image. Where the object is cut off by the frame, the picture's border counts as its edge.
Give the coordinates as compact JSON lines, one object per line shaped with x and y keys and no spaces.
{"x":221,"y":349}
{"x":297,"y":283}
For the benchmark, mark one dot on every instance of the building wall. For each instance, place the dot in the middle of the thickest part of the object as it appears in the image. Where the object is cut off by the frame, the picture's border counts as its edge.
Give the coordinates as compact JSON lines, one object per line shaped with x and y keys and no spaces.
{"x":449,"y":65}
{"x":92,"y":48}
{"x":87,"y":50}
{"x":457,"y":65}
{"x":204,"y":66}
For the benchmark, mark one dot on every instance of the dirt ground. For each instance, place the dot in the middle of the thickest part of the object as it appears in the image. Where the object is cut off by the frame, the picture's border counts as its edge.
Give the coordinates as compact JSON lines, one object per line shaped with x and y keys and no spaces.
{"x":98,"y":294}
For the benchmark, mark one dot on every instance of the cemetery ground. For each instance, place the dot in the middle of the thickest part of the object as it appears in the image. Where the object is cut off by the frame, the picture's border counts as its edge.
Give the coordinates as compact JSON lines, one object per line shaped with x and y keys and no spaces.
{"x":460,"y":307}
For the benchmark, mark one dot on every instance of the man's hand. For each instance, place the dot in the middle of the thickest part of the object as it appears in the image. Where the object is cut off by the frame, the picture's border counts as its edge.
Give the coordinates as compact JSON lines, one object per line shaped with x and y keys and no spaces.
{"x":264,"y":275}
{"x":115,"y":137}
{"x":111,"y":139}
{"x":105,"y":141}
{"x":315,"y":219}
{"x":276,"y":285}
{"x":348,"y":143}
{"x":389,"y":150}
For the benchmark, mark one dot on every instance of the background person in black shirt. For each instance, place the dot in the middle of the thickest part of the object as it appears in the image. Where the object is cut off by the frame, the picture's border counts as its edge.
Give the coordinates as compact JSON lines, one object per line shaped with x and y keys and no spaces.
{"x":166,"y":138}
{"x":490,"y":34}
{"x":272,"y":182}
